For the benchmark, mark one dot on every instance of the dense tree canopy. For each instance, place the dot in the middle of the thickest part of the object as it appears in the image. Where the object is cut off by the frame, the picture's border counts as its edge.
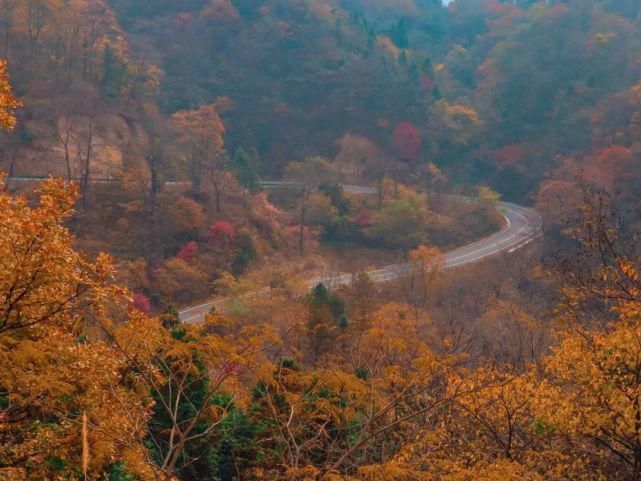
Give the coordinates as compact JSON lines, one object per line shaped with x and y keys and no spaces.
{"x":164,"y":117}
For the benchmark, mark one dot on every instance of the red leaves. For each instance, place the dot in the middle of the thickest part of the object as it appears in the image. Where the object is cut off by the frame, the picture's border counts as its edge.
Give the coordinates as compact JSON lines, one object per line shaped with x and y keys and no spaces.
{"x":408,"y":140}
{"x":365,"y":218}
{"x":611,"y":167}
{"x":509,"y":155}
{"x":188,"y":251}
{"x":221,"y":231}
{"x":141,"y":302}
{"x":615,"y":153}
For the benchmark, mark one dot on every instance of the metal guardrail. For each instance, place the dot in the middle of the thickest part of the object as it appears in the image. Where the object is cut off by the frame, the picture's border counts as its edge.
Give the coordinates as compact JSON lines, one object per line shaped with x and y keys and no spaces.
{"x":265,"y":184}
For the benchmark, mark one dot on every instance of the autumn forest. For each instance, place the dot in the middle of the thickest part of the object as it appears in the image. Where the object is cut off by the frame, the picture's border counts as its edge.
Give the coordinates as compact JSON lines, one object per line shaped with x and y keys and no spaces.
{"x":320,"y":240}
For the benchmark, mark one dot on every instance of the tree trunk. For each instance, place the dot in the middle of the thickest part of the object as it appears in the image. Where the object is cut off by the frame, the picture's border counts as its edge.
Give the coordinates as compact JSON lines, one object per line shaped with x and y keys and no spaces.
{"x":86,"y":162}
{"x":12,"y":162}
{"x":303,"y":210}
{"x":68,"y":163}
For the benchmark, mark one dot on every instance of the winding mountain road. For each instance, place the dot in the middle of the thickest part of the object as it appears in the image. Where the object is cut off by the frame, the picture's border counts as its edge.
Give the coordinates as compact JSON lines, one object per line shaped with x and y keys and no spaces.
{"x":522,"y":226}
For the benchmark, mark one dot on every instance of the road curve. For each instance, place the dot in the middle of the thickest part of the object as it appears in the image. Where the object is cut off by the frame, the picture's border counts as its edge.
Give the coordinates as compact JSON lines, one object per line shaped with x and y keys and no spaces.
{"x":522,"y":226}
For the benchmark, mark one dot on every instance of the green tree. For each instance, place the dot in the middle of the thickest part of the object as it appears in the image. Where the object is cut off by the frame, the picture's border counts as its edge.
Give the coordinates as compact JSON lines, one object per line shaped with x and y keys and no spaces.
{"x":246,"y":167}
{"x":325,"y":312}
{"x":402,"y":224}
{"x":114,"y":75}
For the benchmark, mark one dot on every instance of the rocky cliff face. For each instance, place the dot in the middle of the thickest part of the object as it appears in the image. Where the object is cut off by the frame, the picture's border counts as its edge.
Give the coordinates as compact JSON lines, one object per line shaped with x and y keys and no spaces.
{"x":102,"y":144}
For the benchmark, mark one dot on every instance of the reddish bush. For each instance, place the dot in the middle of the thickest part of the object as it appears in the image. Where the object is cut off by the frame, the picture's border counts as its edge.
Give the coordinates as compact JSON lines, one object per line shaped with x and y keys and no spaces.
{"x":365,"y":218}
{"x":221,"y":231}
{"x":188,"y":251}
{"x":612,"y":168}
{"x":141,"y":302}
{"x":509,"y":155}
{"x":408,"y":140}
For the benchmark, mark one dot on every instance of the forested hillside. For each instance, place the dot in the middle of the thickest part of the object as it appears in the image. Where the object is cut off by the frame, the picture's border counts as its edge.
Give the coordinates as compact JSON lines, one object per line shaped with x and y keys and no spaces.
{"x":496,"y":91}
{"x":136,"y":137}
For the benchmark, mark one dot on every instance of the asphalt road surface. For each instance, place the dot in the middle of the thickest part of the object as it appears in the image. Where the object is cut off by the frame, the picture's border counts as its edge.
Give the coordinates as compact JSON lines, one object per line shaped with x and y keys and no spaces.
{"x":522,"y":226}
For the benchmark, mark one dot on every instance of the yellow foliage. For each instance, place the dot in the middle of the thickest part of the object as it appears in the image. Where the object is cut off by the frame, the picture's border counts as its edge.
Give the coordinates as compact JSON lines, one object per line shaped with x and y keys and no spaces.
{"x":180,"y":281}
{"x":391,"y":345}
{"x":203,"y":127}
{"x":392,"y":471}
{"x":598,"y":386}
{"x":50,"y":372}
{"x":457,"y":122}
{"x":503,"y":470}
{"x":486,"y":194}
{"x":8,"y":103}
{"x":604,"y":38}
{"x":314,"y":170}
{"x":386,"y":44}
{"x":428,"y":256}
{"x":460,"y":113}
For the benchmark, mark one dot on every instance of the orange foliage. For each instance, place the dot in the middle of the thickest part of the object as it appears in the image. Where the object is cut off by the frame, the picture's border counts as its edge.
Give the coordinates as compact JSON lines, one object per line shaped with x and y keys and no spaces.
{"x":203,"y":126}
{"x":509,"y":155}
{"x":613,"y":165}
{"x":408,"y":140}
{"x":387,"y":45}
{"x":556,"y":199}
{"x":51,"y":373}
{"x":201,"y":133}
{"x":8,"y":103}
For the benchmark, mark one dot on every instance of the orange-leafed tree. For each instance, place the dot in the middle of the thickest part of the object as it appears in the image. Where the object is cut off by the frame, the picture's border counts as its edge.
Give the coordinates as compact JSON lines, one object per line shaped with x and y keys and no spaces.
{"x":89,"y":384}
{"x":202,"y":132}
{"x":407,"y":139}
{"x":597,"y":400}
{"x":487,"y":432}
{"x":425,"y":265}
{"x":556,"y":199}
{"x":43,"y":278}
{"x":312,"y":414}
{"x":8,"y":102}
{"x":53,"y":372}
{"x":314,"y":171}
{"x":613,"y":169}
{"x":595,"y":367}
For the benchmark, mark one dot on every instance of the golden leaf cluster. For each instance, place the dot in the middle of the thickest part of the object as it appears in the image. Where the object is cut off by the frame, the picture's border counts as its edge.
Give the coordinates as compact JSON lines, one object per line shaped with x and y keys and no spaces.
{"x":8,"y":103}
